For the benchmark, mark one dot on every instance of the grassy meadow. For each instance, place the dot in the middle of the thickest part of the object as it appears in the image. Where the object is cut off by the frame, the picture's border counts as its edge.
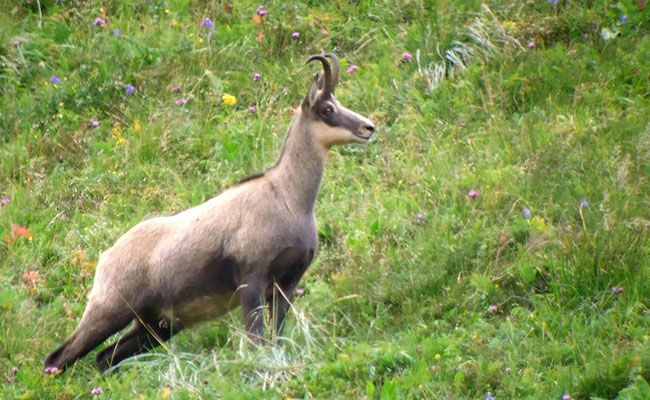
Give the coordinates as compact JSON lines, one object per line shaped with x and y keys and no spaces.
{"x":492,"y":241}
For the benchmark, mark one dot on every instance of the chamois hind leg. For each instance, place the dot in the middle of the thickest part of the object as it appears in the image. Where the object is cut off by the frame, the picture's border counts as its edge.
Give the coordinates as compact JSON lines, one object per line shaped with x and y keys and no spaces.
{"x":99,"y":321}
{"x":145,"y":335}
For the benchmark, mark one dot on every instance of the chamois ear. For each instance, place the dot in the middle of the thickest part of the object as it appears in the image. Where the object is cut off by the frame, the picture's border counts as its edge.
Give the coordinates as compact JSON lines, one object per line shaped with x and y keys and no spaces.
{"x":310,"y":98}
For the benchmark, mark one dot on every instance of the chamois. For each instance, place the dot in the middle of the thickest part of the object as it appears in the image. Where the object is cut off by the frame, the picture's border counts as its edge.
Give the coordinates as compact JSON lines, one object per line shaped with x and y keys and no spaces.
{"x":167,"y":273}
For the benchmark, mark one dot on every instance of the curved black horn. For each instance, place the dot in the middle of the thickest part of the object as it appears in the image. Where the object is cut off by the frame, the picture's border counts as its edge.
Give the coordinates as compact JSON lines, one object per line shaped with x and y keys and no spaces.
{"x":327,"y":72}
{"x":335,"y":69}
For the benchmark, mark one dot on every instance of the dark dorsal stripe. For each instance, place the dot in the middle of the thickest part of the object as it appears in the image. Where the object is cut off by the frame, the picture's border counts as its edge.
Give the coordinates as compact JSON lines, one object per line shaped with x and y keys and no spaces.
{"x":250,"y":178}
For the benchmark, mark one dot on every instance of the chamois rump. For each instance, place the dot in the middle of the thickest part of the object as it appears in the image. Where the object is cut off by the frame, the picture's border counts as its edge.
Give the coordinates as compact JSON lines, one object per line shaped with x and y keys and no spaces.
{"x":167,"y":273}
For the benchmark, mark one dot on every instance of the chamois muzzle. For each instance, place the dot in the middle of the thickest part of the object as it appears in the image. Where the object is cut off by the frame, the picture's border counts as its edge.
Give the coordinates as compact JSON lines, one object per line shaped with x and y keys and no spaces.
{"x":365,"y":132}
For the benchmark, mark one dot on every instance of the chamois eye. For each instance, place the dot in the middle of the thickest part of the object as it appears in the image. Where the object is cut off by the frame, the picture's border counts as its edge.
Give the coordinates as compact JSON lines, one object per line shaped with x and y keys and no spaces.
{"x":328,"y":112}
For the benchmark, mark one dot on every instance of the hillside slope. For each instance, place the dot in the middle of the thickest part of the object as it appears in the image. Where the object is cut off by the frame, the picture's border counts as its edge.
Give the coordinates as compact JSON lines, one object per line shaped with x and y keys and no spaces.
{"x":493,"y":240}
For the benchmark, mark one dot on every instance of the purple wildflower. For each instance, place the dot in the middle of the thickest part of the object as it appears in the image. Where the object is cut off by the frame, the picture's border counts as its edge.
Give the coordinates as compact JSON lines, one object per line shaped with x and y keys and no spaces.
{"x":300,"y":292}
{"x":51,"y":370}
{"x":93,"y":122}
{"x":18,"y":42}
{"x":117,"y":32}
{"x":256,"y":77}
{"x":472,"y":194}
{"x":252,"y":109}
{"x":616,"y":289}
{"x":352,"y":69}
{"x":584,"y":203}
{"x":4,"y":201}
{"x":419,"y":218}
{"x":181,"y":102}
{"x":261,"y":11}
{"x":566,"y":396}
{"x":207,"y":24}
{"x":530,"y":45}
{"x":488,"y":396}
{"x":553,"y":2}
{"x":407,"y":57}
{"x":492,"y":308}
{"x":176,"y":89}
{"x":96,"y":391}
{"x":129,"y":90}
{"x":99,"y":22}
{"x":526,"y":213}
{"x":55,"y":80}
{"x":623,"y":19}
{"x":295,"y":35}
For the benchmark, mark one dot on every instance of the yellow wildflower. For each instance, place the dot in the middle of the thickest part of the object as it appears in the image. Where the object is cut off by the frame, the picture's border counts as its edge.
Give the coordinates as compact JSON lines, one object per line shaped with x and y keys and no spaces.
{"x":165,"y":392}
{"x":137,"y":127}
{"x":116,"y":131}
{"x":538,"y":224}
{"x":509,"y":25}
{"x":229,"y":99}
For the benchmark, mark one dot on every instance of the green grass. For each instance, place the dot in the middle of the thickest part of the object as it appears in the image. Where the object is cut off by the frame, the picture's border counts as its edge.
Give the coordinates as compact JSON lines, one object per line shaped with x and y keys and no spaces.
{"x":396,"y":302}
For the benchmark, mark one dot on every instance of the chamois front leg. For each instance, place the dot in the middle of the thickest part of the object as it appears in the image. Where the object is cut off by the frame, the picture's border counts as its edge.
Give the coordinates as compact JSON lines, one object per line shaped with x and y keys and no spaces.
{"x":281,"y":296}
{"x":287,"y":269}
{"x":251,"y":295}
{"x":279,"y":302}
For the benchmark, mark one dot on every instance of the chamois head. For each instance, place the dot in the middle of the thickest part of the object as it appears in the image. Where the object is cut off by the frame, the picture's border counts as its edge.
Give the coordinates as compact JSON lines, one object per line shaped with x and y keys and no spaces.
{"x":334,"y":124}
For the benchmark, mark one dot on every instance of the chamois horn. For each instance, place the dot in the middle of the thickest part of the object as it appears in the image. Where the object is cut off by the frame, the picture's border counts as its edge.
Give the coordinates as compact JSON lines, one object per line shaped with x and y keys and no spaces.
{"x":328,"y":87}
{"x":335,"y":69}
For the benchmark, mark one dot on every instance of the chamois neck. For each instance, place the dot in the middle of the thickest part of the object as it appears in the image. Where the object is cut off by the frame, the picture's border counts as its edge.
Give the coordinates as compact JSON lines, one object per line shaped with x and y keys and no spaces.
{"x":299,"y":171}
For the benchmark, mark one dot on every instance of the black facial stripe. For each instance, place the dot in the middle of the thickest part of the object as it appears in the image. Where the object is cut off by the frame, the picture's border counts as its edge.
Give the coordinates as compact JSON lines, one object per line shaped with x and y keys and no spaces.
{"x":322,"y":105}
{"x":343,"y":120}
{"x":338,"y":118}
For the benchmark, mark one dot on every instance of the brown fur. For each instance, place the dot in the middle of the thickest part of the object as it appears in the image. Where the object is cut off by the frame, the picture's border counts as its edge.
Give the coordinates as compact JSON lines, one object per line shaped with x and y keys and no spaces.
{"x":169,"y":272}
